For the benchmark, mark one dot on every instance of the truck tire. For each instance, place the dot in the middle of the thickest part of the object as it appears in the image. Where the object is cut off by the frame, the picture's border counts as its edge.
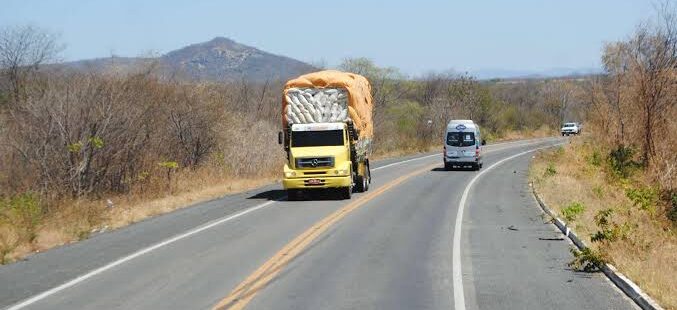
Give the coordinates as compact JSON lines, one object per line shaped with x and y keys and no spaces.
{"x":361,"y":184}
{"x":293,"y":194}
{"x":368,"y":179}
{"x":346,"y":192}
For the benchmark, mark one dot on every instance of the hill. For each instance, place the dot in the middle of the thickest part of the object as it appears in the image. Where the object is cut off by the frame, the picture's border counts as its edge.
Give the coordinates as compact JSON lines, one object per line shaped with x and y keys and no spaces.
{"x":220,"y":59}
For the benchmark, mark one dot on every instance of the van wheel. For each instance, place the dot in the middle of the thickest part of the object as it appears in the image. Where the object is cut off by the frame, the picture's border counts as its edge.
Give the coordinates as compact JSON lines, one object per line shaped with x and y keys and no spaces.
{"x":447,"y":167}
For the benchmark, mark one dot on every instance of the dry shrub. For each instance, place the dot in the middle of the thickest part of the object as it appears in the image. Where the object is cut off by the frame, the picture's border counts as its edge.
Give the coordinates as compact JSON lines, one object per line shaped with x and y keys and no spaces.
{"x":634,"y":104}
{"x":92,"y":135}
{"x":641,"y":243}
{"x":77,"y":140}
{"x":250,"y":148}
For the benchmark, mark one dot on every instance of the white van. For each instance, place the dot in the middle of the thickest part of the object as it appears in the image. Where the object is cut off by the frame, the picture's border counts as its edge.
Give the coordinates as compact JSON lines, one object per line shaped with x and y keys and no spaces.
{"x":463,"y":145}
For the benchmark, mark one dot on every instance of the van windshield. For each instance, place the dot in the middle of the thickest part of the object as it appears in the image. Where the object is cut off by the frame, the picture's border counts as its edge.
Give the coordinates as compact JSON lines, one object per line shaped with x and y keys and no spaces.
{"x":316,"y":138}
{"x":460,"y":138}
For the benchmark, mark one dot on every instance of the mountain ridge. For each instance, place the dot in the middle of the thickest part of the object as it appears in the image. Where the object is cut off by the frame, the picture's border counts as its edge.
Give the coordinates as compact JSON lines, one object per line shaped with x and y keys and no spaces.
{"x":219,"y":59}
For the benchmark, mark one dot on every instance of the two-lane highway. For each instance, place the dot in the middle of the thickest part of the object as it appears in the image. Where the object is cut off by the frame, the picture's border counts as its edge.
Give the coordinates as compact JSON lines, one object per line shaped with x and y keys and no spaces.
{"x":389,"y":248}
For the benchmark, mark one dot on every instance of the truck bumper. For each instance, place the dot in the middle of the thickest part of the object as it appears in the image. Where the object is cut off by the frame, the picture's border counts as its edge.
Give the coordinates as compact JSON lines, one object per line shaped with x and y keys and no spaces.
{"x":325,"y":182}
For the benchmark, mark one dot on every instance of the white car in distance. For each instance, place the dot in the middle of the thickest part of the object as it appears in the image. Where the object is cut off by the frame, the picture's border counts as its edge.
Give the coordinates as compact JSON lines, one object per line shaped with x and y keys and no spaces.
{"x":571,"y":129}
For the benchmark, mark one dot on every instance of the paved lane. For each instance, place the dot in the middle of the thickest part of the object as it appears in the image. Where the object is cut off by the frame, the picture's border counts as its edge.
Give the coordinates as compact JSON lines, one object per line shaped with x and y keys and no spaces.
{"x":508,"y":261}
{"x":394,"y":252}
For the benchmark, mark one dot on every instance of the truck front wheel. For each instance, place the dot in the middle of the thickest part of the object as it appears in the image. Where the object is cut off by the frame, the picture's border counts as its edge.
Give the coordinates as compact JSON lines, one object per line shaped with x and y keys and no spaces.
{"x":293,"y":194}
{"x":361,"y":184}
{"x":346,"y":192}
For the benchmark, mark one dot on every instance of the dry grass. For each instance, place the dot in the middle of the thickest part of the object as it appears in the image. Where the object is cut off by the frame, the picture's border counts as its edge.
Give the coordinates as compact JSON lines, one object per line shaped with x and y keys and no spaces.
{"x":78,"y":219}
{"x":129,"y":213}
{"x":648,"y":252}
{"x":542,"y":132}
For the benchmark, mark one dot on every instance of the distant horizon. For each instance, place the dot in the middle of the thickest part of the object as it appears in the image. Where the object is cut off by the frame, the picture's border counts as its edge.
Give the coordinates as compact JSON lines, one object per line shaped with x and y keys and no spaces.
{"x":488,"y":38}
{"x":482,"y":74}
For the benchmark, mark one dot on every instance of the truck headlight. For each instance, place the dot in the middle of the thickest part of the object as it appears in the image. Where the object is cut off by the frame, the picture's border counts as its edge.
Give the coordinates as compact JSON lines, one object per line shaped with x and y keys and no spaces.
{"x":289,"y":174}
{"x":341,"y":171}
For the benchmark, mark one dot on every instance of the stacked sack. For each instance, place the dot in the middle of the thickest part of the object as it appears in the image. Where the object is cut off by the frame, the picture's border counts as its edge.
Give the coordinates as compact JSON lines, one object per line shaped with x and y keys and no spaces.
{"x":313,"y":105}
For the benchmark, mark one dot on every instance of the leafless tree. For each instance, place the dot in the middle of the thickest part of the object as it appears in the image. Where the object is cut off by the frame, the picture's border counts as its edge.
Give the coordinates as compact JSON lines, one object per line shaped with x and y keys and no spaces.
{"x":652,"y":58}
{"x":613,"y":86}
{"x":388,"y":87}
{"x":23,"y":49}
{"x":634,"y":104}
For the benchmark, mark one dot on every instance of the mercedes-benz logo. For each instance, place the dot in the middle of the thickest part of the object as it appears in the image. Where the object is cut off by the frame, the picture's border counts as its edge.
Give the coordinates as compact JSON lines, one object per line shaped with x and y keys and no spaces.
{"x":314,"y":162}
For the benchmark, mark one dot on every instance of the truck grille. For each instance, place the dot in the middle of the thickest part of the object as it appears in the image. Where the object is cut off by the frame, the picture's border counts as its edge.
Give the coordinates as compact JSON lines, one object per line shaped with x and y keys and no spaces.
{"x":315,"y":162}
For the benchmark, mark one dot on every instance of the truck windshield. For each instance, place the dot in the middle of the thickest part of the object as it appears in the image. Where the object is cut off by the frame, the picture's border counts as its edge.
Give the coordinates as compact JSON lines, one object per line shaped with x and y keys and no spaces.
{"x":460,"y":138}
{"x":316,"y":138}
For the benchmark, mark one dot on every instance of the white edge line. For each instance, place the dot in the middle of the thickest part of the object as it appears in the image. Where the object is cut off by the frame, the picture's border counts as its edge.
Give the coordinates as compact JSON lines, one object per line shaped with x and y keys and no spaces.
{"x":459,"y":298}
{"x":134,"y":255}
{"x":79,"y":279}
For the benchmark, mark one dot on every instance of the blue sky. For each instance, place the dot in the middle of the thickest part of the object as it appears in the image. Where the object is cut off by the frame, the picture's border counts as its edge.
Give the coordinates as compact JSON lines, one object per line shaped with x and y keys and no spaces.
{"x":415,"y":36}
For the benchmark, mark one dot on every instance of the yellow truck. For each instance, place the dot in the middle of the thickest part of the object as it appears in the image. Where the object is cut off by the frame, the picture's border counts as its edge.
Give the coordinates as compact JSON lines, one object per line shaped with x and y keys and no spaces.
{"x":327,"y":133}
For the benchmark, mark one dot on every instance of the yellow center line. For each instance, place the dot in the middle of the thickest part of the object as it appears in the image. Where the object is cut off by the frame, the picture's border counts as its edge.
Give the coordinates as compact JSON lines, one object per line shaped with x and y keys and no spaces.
{"x":245,"y":292}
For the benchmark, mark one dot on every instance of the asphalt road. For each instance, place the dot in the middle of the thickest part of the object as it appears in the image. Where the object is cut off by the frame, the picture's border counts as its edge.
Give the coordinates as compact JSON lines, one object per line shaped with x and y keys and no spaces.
{"x":402,"y":245}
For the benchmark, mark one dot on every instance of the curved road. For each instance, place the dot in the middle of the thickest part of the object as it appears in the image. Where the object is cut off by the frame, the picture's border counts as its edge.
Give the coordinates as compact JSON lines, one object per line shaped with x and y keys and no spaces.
{"x":402,"y":245}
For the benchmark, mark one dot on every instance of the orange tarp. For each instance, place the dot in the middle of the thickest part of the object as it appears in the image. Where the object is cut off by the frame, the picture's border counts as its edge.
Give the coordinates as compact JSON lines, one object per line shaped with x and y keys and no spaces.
{"x":360,"y":105}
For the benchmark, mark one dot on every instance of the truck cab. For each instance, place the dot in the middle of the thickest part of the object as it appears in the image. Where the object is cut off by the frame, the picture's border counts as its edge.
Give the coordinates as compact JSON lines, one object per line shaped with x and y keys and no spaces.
{"x":322,"y":156}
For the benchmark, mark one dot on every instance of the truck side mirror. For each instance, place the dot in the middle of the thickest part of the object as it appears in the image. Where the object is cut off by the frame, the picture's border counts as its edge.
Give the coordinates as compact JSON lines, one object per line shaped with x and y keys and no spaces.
{"x":484,"y":142}
{"x":279,"y":137}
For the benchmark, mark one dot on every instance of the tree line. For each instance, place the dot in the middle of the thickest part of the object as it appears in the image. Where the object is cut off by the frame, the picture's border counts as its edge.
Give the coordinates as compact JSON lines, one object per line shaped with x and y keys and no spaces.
{"x":77,"y":134}
{"x":633,"y":105}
